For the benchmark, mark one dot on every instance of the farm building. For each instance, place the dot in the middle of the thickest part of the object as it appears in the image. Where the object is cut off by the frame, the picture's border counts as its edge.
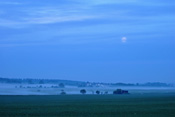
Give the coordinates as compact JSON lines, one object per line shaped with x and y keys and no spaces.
{"x":120,"y":91}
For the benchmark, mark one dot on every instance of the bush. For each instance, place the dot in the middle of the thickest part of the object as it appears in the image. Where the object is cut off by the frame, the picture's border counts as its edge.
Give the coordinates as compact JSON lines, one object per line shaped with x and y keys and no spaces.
{"x":63,"y":92}
{"x":61,"y":85}
{"x":83,"y":91}
{"x":97,"y":92}
{"x":106,"y":92}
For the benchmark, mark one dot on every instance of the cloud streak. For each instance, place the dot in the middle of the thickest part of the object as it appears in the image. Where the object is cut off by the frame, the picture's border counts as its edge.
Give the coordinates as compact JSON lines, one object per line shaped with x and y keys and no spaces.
{"x":56,"y":19}
{"x":85,"y":19}
{"x":46,"y":15}
{"x":11,"y":3}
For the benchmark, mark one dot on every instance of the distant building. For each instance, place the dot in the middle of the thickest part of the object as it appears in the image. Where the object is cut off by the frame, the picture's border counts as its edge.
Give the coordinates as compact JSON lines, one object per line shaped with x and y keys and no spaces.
{"x":120,"y":91}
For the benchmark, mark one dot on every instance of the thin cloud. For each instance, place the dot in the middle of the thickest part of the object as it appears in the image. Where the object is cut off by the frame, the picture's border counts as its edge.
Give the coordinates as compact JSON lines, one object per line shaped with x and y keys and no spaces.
{"x":47,"y":15}
{"x":56,"y":19}
{"x":42,"y":20}
{"x":11,"y":3}
{"x":102,"y":2}
{"x":110,"y":19}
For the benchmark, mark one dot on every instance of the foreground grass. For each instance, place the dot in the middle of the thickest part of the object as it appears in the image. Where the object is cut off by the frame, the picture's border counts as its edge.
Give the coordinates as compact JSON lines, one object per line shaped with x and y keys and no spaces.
{"x":147,"y":105}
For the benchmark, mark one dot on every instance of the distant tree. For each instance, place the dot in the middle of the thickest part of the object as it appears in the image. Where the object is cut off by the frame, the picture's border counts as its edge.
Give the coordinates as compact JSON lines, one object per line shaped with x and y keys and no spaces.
{"x":40,"y":86}
{"x":30,"y":81}
{"x":137,"y":84}
{"x":61,"y":85}
{"x":106,"y":92}
{"x":118,"y":91}
{"x":82,"y":85}
{"x":63,"y":92}
{"x":41,"y":82}
{"x":97,"y":92}
{"x":38,"y":90}
{"x":83,"y":91}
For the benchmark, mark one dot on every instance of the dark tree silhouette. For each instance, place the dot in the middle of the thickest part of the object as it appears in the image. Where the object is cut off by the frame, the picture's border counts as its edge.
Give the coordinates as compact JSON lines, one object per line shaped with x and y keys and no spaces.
{"x":97,"y":92}
{"x":106,"y":92}
{"x":41,"y":82}
{"x":61,"y":85}
{"x":83,"y":91}
{"x":118,"y":91}
{"x":63,"y":92}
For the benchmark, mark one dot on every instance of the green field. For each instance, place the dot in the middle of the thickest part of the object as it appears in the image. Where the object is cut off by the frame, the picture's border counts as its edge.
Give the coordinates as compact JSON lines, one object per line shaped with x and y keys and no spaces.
{"x":133,"y":105}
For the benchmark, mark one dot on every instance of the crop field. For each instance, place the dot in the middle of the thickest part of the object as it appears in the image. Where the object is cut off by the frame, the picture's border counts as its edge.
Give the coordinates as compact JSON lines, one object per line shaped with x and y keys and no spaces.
{"x":132,"y":105}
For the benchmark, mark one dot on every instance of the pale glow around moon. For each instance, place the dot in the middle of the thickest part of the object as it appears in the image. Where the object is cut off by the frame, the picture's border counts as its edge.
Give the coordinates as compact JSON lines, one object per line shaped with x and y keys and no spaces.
{"x":124,"y":39}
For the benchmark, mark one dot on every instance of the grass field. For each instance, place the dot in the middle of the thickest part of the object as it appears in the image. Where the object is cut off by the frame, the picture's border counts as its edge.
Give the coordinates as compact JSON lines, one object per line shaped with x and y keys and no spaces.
{"x":133,"y":105}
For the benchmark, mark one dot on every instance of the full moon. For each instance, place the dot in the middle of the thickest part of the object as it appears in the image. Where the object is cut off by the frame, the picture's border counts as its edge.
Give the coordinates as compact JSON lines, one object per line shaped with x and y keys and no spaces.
{"x":124,"y":39}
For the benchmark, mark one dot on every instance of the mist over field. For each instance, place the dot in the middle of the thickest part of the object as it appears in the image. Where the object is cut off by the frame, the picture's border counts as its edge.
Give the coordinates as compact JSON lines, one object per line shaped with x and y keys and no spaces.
{"x":56,"y":87}
{"x":48,"y":100}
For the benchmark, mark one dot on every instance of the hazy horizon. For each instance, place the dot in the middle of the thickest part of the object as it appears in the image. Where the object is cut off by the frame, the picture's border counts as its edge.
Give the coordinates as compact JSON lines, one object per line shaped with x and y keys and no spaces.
{"x":90,"y":40}
{"x":91,"y":81}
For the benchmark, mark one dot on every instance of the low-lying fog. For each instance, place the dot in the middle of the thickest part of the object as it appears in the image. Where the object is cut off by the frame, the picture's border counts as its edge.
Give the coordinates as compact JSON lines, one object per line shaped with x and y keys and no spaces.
{"x":52,"y":89}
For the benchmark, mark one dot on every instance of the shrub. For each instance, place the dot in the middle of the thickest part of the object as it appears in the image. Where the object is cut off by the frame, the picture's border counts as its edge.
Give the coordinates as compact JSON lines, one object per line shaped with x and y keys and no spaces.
{"x":97,"y":92}
{"x":83,"y":91}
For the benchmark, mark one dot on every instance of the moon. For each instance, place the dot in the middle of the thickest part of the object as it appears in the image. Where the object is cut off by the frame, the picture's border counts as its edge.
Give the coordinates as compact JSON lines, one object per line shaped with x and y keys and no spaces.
{"x":123,"y":39}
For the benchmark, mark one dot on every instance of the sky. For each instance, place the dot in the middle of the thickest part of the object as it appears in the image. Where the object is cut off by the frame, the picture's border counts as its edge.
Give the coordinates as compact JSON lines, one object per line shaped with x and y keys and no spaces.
{"x":112,"y":41}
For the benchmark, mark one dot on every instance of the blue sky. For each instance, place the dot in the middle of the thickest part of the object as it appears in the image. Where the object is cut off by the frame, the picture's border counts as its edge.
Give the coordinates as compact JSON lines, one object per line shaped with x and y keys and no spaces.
{"x":88,"y":40}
